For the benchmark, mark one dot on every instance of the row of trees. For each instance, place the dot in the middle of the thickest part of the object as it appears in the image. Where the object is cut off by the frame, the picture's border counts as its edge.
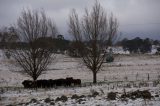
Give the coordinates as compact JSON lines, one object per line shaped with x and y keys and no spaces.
{"x":138,"y":45}
{"x":91,"y":34}
{"x":9,"y":39}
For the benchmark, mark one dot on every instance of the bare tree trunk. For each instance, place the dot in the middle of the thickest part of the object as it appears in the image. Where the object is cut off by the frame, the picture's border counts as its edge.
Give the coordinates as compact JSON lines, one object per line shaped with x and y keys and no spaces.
{"x":94,"y":77}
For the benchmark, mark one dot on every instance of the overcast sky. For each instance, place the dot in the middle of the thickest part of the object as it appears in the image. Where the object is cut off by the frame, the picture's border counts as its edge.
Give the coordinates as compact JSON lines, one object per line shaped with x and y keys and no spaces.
{"x":136,"y":17}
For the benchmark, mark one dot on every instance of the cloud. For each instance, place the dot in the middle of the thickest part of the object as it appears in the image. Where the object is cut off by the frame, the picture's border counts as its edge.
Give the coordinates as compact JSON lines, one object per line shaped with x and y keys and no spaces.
{"x":141,"y":13}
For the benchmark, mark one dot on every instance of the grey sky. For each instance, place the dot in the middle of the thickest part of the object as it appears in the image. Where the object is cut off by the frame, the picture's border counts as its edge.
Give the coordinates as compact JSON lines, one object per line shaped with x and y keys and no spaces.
{"x":136,"y":17}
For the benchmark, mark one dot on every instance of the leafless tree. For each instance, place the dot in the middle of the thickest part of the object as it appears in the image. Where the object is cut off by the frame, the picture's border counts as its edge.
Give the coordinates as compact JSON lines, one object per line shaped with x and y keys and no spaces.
{"x":52,"y":28}
{"x":94,"y":33}
{"x":34,"y":57}
{"x":7,"y":37}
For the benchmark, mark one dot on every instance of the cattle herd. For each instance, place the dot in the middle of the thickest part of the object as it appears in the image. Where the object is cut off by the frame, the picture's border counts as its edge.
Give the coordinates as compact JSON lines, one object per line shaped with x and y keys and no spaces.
{"x":69,"y":81}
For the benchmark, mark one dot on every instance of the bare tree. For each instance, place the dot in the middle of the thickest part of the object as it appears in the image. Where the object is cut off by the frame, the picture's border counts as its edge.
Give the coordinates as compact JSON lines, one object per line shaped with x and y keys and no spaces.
{"x":94,"y":33}
{"x":7,"y":35}
{"x":52,"y":28}
{"x":34,"y":57}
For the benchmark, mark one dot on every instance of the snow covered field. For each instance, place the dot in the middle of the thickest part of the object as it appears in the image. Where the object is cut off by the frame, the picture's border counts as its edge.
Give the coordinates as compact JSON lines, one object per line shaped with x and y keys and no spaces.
{"x":126,"y":69}
{"x":18,"y":97}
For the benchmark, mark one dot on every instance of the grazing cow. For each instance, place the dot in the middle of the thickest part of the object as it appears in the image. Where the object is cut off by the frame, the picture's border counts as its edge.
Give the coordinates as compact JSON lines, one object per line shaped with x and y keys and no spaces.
{"x":60,"y":82}
{"x":77,"y":82}
{"x":51,"y":83}
{"x":69,"y":81}
{"x":44,"y":83}
{"x":39,"y":83}
{"x":27,"y":83}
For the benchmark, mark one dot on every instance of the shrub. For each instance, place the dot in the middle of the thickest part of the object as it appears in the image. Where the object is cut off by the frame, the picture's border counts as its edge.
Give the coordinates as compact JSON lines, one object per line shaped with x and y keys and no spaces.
{"x":33,"y":100}
{"x":52,"y":103}
{"x":109,"y":59}
{"x":47,"y":100}
{"x":82,"y":96}
{"x":112,"y":96}
{"x":80,"y":101}
{"x":137,"y":94}
{"x":93,"y":93}
{"x":146,"y":94}
{"x":63,"y":98}
{"x":156,"y":95}
{"x":75,"y":97}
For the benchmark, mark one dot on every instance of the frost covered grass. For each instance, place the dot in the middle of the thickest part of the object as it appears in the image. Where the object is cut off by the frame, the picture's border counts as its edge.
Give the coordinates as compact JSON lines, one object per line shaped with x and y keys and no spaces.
{"x":125,"y":67}
{"x":88,"y":95}
{"x":129,"y":72}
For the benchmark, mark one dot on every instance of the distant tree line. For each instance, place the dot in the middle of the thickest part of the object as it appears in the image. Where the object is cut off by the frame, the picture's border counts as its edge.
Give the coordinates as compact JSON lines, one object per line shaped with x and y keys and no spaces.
{"x":9,"y":39}
{"x":138,"y":45}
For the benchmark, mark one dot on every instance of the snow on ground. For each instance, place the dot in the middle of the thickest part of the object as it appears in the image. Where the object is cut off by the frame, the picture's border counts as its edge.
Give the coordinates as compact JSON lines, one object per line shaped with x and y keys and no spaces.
{"x":24,"y":96}
{"x":126,"y":68}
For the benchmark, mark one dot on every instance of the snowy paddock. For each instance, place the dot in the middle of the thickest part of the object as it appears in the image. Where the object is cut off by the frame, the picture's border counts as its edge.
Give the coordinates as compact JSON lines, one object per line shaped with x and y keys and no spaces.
{"x":126,"y":69}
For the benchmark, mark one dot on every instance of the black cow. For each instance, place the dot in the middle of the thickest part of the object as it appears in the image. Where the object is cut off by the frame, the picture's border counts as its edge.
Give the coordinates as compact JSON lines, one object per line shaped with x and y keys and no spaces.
{"x":69,"y":81}
{"x":60,"y":82}
{"x":27,"y":84}
{"x":51,"y":83}
{"x":77,"y":82}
